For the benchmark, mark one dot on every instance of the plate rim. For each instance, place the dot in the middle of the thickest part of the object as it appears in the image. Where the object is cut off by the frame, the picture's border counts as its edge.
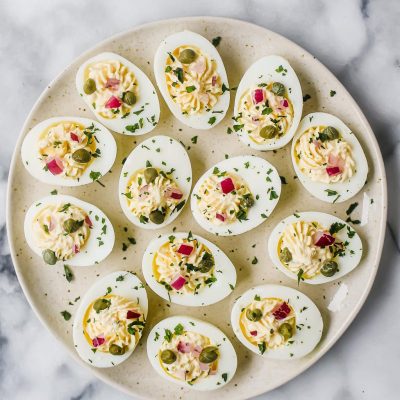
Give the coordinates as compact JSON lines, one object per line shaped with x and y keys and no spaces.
{"x":208,"y":20}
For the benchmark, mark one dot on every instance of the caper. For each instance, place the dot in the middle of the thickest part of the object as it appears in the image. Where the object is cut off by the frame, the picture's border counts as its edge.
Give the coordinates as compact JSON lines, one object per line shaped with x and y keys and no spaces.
{"x":286,"y":330}
{"x":49,"y":257}
{"x":101,"y":304}
{"x":285,"y":256}
{"x":81,"y":156}
{"x":150,"y":175}
{"x":330,"y":133}
{"x":206,"y":263}
{"x":129,"y":98}
{"x":157,"y":217}
{"x":89,"y":86}
{"x":268,"y":131}
{"x":254,"y":315}
{"x":116,"y":350}
{"x":168,"y":356}
{"x":208,"y":354}
{"x":72,"y":225}
{"x":329,"y":268}
{"x":187,"y":56}
{"x":248,"y":200}
{"x":278,"y":88}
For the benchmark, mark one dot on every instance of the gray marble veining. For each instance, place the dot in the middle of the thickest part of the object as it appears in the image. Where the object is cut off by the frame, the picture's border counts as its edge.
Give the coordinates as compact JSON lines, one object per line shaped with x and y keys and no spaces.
{"x":356,"y":39}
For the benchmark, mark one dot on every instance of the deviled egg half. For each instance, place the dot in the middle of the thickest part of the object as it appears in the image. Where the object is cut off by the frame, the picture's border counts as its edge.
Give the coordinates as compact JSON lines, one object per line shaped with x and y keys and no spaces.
{"x":64,"y":228}
{"x":68,"y":151}
{"x":119,"y":94}
{"x":268,"y":104}
{"x":236,"y":195}
{"x":314,"y":247}
{"x":192,"y":79}
{"x":189,"y":351}
{"x":110,"y":320}
{"x":277,"y":322}
{"x":155,"y":182}
{"x":328,"y":159}
{"x":188,"y":270}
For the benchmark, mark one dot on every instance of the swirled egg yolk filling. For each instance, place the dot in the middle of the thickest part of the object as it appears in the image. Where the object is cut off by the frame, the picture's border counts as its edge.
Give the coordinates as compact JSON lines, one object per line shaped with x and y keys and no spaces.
{"x":308,"y":249}
{"x":113,"y":324}
{"x":61,"y":230}
{"x":112,"y":88}
{"x":268,"y":323}
{"x":184,"y":265}
{"x":188,"y":356}
{"x":324,"y":156}
{"x":68,"y":148}
{"x":152,"y":195}
{"x":224,"y":198}
{"x":265,"y":112}
{"x":192,"y":80}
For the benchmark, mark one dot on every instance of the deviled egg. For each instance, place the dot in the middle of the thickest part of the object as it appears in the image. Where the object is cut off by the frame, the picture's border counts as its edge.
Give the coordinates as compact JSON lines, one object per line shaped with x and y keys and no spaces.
{"x":119,"y":94}
{"x":110,"y":319}
{"x":268,"y":104}
{"x":188,"y":269}
{"x":189,"y":351}
{"x":277,"y":322}
{"x":236,"y":195}
{"x":192,"y":79}
{"x":328,"y":158}
{"x":68,"y":151}
{"x":155,"y":182}
{"x":314,"y":247}
{"x":64,"y":228}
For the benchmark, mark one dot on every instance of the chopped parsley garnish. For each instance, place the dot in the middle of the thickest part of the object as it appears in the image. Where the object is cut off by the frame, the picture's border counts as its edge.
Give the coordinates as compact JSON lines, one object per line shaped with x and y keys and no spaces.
{"x":68,"y":273}
{"x":212,"y":120}
{"x":254,"y":261}
{"x":336,"y":227}
{"x":351,"y":208}
{"x":262,"y":347}
{"x":190,"y":89}
{"x":178,"y":330}
{"x":306,"y":97}
{"x":66,"y":315}
{"x":168,"y":335}
{"x":216,"y":41}
{"x":300,"y":276}
{"x":332,"y":93}
{"x":194,"y":139}
{"x":331,"y":192}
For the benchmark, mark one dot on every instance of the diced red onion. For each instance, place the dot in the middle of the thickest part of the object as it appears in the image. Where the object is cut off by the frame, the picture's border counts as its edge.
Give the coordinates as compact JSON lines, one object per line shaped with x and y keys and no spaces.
{"x":112,"y":82}
{"x":75,"y":249}
{"x":204,"y":367}
{"x":253,"y":333}
{"x":227,"y":185}
{"x":185,"y":249}
{"x":88,"y":221}
{"x":323,"y":239}
{"x":184,"y":347}
{"x":55,"y":166}
{"x":285,"y":103}
{"x":178,"y":282}
{"x":113,"y":102}
{"x":98,"y":341}
{"x":221,"y":217}
{"x":74,"y":137}
{"x":132,"y":314}
{"x":258,"y":96}
{"x":317,"y":143}
{"x":332,"y":171}
{"x":213,"y":80}
{"x":281,"y":311}
{"x":176,"y":194}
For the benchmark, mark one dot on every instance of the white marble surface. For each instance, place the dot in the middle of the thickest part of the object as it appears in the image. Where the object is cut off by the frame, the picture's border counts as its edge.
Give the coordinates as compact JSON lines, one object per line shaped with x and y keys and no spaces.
{"x":357,"y":39}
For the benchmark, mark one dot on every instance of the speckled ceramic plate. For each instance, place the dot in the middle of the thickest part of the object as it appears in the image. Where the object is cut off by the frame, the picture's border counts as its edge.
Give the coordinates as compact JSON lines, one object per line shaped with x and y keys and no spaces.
{"x":49,"y":292}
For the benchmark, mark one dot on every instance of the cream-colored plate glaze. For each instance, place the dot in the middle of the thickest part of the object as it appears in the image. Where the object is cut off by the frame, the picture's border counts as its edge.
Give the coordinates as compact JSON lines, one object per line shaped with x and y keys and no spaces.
{"x":242,"y":43}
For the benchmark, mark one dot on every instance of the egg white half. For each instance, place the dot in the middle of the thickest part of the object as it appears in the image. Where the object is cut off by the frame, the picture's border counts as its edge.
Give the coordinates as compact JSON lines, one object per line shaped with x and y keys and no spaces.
{"x":30,"y":153}
{"x":169,"y":44}
{"x":162,"y":152}
{"x":346,"y":263}
{"x":130,"y":288}
{"x":260,"y":176}
{"x":227,"y":361}
{"x":225,"y":273}
{"x":308,"y":318}
{"x":147,"y":98}
{"x":92,"y":253}
{"x":264,"y":71}
{"x":344,"y":190}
